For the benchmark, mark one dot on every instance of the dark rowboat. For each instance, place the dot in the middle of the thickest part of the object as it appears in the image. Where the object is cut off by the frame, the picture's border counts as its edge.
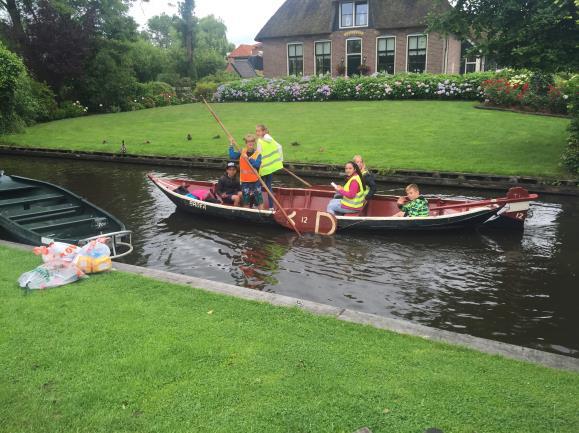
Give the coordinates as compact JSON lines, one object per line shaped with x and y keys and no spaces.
{"x":506,"y":212}
{"x":39,"y":213}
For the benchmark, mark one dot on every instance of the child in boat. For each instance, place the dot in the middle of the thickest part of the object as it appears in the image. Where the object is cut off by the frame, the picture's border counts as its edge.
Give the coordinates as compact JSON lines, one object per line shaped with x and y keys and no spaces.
{"x":272,"y":154}
{"x":368,"y":176}
{"x":228,"y":188}
{"x":413,"y":204}
{"x":248,"y":157}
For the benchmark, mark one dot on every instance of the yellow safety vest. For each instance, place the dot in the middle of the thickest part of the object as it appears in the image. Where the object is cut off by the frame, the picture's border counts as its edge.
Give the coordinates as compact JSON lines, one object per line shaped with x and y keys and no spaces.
{"x":359,"y":201}
{"x":271,"y":159}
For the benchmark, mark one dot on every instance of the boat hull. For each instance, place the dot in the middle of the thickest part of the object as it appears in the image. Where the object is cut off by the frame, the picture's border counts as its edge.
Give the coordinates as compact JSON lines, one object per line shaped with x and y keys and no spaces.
{"x":39,"y":213}
{"x":470,"y":219}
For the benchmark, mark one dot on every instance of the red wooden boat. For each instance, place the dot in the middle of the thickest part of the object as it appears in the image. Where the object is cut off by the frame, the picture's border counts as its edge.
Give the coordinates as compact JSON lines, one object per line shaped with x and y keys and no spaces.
{"x":307,"y":208}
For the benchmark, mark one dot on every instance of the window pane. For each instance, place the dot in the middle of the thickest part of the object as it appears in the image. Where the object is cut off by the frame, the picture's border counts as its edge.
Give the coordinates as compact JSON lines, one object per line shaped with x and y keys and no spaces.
{"x":354,"y":46}
{"x":382,"y":44}
{"x":299,"y":50}
{"x":327,"y":48}
{"x":422,"y":42}
{"x":354,"y":63}
{"x":319,"y":48}
{"x":347,"y":8}
{"x":347,"y":14}
{"x":291,"y":50}
{"x":362,"y":14}
{"x":413,"y":42}
{"x":390,"y":46}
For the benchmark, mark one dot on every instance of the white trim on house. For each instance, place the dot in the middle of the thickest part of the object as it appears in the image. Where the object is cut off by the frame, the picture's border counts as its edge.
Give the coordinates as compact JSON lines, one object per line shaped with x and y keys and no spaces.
{"x":395,"y":46}
{"x":287,"y":56}
{"x":407,"y":49}
{"x":331,"y":55}
{"x":353,"y":26}
{"x":346,"y":52}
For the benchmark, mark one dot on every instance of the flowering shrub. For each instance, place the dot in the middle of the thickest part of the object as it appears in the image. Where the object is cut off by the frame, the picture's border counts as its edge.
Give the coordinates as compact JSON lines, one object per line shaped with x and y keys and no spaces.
{"x":68,"y":109}
{"x":518,"y":94}
{"x":375,"y":87}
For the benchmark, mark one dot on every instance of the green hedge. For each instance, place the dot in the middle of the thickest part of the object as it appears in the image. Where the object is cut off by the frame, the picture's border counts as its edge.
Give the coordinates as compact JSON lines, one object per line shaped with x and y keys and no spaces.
{"x":11,"y":71}
{"x":570,"y":158}
{"x":376,"y":87}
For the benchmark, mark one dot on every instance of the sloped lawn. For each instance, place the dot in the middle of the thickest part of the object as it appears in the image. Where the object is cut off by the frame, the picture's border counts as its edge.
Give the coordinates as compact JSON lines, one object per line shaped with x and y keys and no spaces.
{"x":427,"y":135}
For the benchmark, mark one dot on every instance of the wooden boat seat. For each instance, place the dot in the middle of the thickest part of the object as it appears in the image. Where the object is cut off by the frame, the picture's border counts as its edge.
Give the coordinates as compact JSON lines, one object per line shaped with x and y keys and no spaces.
{"x":18,"y":188}
{"x":29,"y":200}
{"x":41,"y":213}
{"x":62,"y":223}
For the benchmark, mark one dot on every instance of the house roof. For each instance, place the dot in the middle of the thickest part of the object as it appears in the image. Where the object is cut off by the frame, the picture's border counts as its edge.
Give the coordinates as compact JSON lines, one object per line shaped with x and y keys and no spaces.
{"x":244,"y":68}
{"x":315,"y":17}
{"x":244,"y":50}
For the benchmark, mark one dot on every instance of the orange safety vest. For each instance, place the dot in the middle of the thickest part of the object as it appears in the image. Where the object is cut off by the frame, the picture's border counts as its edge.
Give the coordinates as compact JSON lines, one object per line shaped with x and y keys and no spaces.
{"x":246,"y":173}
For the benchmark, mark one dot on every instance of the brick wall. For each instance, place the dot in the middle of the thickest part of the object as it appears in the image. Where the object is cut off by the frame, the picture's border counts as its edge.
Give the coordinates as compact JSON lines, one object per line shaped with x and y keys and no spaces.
{"x":275,"y":51}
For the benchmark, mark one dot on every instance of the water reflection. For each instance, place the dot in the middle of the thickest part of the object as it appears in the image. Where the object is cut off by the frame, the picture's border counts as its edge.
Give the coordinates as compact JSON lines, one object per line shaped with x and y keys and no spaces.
{"x":518,"y":288}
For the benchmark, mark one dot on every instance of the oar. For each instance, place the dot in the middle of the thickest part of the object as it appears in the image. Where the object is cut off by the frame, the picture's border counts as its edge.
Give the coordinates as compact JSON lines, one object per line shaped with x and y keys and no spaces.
{"x":292,"y":224}
{"x":309,"y":185}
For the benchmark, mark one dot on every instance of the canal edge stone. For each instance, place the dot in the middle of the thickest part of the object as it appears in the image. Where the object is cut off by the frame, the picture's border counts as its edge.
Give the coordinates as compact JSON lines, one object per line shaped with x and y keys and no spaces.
{"x":401,"y":176}
{"x":397,"y":326}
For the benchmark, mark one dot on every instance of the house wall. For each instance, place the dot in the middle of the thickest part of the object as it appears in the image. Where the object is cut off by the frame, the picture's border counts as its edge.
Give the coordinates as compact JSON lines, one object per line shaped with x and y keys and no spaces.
{"x":275,"y":51}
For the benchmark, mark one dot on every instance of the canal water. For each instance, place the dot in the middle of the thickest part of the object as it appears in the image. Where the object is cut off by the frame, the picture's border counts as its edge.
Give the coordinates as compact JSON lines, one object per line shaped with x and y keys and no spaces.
{"x":516,"y":288}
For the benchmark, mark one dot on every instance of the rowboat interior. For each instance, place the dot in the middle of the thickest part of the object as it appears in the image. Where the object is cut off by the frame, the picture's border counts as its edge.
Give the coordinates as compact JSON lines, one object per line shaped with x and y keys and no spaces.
{"x":318,"y":197}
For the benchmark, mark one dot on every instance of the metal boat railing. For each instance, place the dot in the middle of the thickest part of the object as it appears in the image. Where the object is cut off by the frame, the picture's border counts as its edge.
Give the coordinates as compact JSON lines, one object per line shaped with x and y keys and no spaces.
{"x":120,"y":243}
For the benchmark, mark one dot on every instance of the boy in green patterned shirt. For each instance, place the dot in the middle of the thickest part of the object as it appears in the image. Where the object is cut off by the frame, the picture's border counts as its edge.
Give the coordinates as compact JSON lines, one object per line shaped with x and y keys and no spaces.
{"x":413,"y":205}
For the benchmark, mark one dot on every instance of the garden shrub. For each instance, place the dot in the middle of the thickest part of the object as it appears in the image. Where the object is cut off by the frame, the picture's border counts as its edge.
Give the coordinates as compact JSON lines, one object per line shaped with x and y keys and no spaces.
{"x":570,"y":158}
{"x":526,"y":91}
{"x":205,"y":90}
{"x":375,"y":87}
{"x":11,"y":71}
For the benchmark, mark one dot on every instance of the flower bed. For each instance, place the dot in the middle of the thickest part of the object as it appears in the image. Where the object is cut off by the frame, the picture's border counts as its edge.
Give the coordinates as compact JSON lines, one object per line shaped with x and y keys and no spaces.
{"x":503,"y":93}
{"x":378,"y":87}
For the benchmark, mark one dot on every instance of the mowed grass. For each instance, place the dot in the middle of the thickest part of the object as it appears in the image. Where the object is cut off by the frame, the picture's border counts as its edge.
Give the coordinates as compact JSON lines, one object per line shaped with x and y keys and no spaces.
{"x":120,"y":353}
{"x":425,"y":135}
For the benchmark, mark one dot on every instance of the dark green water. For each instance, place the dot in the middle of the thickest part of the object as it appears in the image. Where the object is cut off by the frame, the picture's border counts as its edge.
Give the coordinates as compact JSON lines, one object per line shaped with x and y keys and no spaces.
{"x":520,"y":289}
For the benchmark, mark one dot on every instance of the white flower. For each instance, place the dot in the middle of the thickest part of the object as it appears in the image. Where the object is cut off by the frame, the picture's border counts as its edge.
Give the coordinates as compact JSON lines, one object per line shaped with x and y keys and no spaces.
{"x":565,"y":96}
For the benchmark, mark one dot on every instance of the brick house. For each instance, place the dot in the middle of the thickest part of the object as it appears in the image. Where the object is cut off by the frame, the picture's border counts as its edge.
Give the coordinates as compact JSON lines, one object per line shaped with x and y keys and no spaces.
{"x":346,"y":36}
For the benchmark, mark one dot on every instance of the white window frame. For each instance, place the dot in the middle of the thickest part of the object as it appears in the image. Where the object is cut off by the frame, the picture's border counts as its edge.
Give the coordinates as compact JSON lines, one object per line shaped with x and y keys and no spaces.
{"x":354,"y":26}
{"x":361,"y":52}
{"x":408,"y":54}
{"x":395,"y":49}
{"x":287,"y":56}
{"x":331,"y":55}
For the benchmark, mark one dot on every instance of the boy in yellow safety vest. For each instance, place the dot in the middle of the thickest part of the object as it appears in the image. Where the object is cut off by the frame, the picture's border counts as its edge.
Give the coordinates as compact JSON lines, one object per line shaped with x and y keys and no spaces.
{"x":271,"y":155}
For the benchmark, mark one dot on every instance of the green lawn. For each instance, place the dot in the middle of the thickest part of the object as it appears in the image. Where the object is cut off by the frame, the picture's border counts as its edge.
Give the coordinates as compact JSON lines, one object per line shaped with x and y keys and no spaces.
{"x":427,"y":135}
{"x":120,"y":353}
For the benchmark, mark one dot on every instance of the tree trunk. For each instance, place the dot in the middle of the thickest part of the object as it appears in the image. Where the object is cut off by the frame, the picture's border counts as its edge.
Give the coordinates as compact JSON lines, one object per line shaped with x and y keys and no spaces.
{"x":18,"y":34}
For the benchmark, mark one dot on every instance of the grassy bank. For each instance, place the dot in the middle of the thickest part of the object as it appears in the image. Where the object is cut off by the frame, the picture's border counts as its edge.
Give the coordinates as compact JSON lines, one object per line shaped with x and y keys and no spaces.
{"x":427,"y":135}
{"x":123,"y":353}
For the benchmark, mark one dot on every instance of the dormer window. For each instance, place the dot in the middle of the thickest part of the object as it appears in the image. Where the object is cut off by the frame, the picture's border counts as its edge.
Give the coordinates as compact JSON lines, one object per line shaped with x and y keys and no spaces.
{"x":354,"y":14}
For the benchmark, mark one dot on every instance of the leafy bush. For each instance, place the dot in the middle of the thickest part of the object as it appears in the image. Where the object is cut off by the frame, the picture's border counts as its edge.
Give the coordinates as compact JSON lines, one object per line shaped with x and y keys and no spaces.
{"x":11,"y":72}
{"x":69,"y":109}
{"x":529,"y":92}
{"x":376,"y":87}
{"x":205,"y":90}
{"x":570,"y":158}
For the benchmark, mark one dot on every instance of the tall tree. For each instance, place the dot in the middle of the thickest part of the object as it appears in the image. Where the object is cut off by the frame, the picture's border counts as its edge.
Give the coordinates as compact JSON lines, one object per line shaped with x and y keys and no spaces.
{"x":535,"y":34}
{"x":187,"y":28}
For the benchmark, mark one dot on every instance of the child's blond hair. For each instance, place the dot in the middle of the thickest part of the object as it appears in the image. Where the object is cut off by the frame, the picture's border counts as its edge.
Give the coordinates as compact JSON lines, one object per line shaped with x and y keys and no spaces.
{"x":262,"y":127}
{"x":250,"y":137}
{"x":412,"y":187}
